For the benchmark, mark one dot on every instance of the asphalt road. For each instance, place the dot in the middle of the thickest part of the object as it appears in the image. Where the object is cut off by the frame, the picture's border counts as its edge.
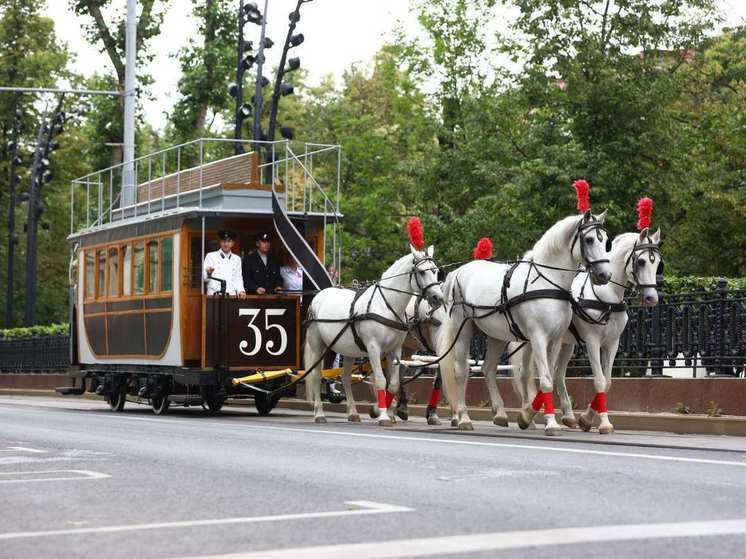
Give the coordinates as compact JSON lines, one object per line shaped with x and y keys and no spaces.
{"x":77,"y":480}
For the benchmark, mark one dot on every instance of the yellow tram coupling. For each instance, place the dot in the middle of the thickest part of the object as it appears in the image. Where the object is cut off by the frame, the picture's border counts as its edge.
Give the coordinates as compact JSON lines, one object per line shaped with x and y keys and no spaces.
{"x":261,"y":376}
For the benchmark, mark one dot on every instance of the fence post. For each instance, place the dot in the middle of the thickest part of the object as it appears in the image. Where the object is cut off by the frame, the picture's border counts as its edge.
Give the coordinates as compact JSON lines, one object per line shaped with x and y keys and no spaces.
{"x":721,"y":293}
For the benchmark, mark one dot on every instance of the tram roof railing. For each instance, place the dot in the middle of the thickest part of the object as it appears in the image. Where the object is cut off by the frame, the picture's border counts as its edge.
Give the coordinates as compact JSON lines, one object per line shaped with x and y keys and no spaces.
{"x":187,"y":176}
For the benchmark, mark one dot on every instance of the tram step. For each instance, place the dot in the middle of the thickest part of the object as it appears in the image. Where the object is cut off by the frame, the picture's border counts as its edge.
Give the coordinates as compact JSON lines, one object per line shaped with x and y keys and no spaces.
{"x":70,"y":390}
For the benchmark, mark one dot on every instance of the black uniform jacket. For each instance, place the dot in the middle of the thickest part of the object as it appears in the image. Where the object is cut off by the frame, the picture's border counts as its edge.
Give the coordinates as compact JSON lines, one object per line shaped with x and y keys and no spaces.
{"x":256,"y":274}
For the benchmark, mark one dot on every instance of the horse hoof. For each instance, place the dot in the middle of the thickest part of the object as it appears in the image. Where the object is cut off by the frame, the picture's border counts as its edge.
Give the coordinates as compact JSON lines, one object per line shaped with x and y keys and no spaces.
{"x":584,"y":423}
{"x":373,"y":412}
{"x":523,"y":423}
{"x":465,"y":426}
{"x":570,"y":421}
{"x":552,"y":431}
{"x":500,"y":421}
{"x":354,"y":418}
{"x":385,"y":423}
{"x":319,"y":419}
{"x":454,"y":422}
{"x":433,"y":420}
{"x":403,"y":415}
{"x":606,"y":429}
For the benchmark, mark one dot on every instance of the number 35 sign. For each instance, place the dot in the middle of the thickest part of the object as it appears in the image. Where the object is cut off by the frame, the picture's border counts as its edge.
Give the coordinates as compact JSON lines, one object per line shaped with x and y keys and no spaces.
{"x":259,"y":332}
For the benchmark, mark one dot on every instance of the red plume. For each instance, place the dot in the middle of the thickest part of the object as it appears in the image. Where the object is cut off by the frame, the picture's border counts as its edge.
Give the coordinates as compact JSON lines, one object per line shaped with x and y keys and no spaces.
{"x":414,"y":228}
{"x":483,"y":250}
{"x":582,"y":189}
{"x":644,"y":212}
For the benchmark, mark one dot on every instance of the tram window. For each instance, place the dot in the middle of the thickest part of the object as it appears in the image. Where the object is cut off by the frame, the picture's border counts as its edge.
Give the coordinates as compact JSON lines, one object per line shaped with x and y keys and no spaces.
{"x":90,"y":274}
{"x":152,"y":266}
{"x":167,"y":258}
{"x":126,"y":270}
{"x":113,"y":272}
{"x":101,"y":268}
{"x":139,"y":268}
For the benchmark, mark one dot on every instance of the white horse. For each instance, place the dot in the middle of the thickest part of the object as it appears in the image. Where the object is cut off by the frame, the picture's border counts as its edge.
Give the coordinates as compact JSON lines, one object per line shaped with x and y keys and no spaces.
{"x":529,"y":299}
{"x":634,"y":260}
{"x":376,"y":317}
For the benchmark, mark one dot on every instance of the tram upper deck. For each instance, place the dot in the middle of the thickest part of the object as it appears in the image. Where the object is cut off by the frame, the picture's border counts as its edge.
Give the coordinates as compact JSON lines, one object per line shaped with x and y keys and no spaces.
{"x":139,"y":296}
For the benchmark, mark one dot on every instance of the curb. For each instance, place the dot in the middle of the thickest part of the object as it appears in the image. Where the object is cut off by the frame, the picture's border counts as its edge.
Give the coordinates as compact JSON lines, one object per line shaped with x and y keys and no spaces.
{"x":623,"y":421}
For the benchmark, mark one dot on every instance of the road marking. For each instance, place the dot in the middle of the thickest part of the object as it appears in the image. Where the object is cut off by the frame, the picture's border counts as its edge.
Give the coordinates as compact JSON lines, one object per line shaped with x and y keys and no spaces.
{"x":474,"y":543}
{"x":78,"y":475}
{"x":358,"y":508}
{"x":243,"y":426}
{"x":22,"y":449}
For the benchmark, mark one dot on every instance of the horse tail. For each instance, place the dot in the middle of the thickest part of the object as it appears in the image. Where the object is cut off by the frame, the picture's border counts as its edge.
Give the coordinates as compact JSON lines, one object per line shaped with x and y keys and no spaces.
{"x":445,"y":339}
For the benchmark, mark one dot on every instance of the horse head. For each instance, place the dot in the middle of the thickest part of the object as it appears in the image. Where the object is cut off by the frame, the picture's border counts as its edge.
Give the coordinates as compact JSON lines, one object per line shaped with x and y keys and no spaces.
{"x":591,"y":245}
{"x":644,"y":264}
{"x":423,"y":276}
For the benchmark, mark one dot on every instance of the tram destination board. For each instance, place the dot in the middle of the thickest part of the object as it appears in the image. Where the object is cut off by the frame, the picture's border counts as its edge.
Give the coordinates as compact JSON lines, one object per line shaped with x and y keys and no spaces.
{"x":259,"y":332}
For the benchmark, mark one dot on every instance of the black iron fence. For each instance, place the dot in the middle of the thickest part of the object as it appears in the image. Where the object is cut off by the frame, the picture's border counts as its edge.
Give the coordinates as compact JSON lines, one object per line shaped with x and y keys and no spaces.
{"x":701,"y":331}
{"x":36,"y":354}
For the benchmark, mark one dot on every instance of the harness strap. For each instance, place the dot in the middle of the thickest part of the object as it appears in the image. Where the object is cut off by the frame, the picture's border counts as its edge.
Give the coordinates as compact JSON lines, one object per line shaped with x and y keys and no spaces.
{"x":353,"y":319}
{"x":602,"y":306}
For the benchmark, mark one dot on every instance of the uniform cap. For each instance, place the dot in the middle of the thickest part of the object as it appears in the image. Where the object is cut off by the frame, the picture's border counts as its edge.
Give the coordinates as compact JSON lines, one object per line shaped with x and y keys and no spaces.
{"x":262,"y":236}
{"x":225,"y":235}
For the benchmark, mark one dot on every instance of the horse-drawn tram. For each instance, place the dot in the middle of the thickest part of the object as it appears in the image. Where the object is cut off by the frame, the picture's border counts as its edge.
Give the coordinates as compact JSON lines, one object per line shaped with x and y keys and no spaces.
{"x":145,"y":324}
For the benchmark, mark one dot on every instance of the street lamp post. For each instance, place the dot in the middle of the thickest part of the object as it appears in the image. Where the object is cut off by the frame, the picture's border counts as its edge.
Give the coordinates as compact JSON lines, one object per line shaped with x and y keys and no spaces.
{"x":40,"y":174}
{"x":14,"y":179}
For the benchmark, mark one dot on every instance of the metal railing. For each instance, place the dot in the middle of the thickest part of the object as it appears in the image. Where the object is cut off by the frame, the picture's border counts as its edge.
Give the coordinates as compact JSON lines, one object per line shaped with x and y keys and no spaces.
{"x":180,"y":177}
{"x":35,"y":354}
{"x":704,"y":332}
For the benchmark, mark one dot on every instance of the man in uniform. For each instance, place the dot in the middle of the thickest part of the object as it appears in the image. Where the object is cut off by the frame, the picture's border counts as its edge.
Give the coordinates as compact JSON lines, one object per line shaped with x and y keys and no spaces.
{"x":223,"y":264}
{"x":261,"y":270}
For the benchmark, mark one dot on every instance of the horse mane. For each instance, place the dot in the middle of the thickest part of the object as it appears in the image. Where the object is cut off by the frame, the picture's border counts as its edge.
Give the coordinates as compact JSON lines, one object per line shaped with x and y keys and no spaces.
{"x":624,"y":239}
{"x":554,"y":240}
{"x":395,"y":269}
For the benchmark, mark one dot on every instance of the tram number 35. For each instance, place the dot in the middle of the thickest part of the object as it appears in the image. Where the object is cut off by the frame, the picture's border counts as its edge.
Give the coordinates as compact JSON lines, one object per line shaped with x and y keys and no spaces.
{"x":257,"y":335}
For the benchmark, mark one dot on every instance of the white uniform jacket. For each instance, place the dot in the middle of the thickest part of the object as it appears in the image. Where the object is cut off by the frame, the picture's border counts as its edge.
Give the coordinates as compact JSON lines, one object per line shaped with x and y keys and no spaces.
{"x":226,"y":267}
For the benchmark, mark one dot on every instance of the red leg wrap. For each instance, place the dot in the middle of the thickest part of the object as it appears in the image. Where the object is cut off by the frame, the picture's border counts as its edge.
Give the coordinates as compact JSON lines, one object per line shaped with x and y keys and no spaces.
{"x":389,"y":399}
{"x":538,"y":401}
{"x":548,"y":404}
{"x":594,"y":403}
{"x":382,"y":399}
{"x":599,"y":402}
{"x":434,"y":398}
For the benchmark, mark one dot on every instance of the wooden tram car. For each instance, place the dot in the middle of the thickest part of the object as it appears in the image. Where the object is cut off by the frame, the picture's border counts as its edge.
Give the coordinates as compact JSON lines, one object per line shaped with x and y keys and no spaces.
{"x":143,"y":327}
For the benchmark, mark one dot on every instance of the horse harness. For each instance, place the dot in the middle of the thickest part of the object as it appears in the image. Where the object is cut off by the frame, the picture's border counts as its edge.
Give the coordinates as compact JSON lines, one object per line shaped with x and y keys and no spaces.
{"x":557,"y":292}
{"x":581,"y":304}
{"x":397,"y":323}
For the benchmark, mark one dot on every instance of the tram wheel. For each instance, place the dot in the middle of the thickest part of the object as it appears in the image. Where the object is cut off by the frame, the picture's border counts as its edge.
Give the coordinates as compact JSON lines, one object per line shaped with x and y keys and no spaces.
{"x":160,"y":404}
{"x":214,"y":403}
{"x":118,"y":398}
{"x":264,"y":403}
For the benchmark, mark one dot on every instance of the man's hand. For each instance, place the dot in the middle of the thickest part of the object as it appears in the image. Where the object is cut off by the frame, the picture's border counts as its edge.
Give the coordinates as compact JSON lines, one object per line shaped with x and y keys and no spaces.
{"x":210,"y":270}
{"x":261,"y":290}
{"x":242,"y":295}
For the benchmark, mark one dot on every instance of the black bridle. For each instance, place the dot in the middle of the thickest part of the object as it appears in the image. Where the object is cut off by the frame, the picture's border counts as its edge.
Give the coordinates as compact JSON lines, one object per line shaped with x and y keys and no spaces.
{"x":416,"y":271}
{"x":591,"y":225}
{"x":652,"y":251}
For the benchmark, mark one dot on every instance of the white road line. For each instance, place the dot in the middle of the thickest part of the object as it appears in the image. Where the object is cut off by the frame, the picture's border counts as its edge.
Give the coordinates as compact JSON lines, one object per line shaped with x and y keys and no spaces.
{"x":359,"y":508}
{"x":446,"y":440}
{"x":78,"y":476}
{"x":22,"y":449}
{"x":496,"y":541}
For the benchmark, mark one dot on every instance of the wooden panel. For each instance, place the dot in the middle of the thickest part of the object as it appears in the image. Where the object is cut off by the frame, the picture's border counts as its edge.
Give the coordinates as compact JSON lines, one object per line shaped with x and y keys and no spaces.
{"x":233,"y":170}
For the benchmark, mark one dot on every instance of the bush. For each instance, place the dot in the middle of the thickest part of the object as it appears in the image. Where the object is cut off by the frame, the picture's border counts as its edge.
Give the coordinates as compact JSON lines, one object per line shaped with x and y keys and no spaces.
{"x":685,"y":284}
{"x":60,"y":329}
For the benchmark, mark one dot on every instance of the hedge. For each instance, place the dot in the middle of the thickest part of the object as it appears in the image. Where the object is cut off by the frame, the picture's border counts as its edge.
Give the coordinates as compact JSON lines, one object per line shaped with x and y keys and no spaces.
{"x":31,"y":331}
{"x":686,"y":284}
